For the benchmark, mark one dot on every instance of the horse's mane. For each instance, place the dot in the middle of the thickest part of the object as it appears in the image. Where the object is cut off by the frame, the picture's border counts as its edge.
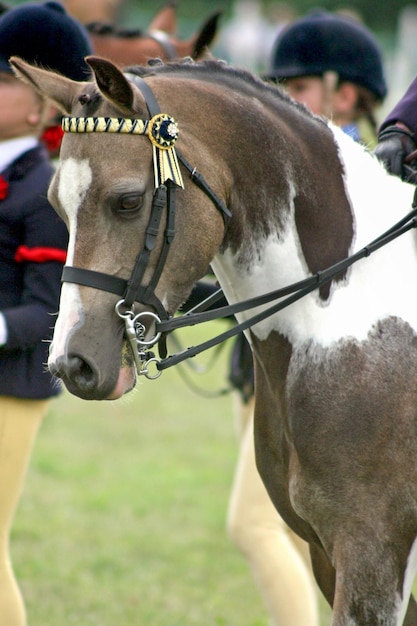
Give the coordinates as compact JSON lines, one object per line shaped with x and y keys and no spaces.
{"x":219,"y":71}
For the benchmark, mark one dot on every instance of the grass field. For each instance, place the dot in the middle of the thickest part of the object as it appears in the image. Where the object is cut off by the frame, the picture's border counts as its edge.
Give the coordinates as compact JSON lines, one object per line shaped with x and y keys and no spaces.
{"x":122,"y":522}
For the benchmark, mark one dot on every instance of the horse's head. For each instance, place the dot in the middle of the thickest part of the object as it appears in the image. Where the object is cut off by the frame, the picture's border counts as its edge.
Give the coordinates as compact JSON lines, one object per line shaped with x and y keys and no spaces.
{"x":128,"y":47}
{"x":106,"y":191}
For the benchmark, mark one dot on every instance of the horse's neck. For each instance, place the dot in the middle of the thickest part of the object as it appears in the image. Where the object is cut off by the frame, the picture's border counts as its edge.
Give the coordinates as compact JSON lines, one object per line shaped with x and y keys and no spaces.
{"x":299,"y":220}
{"x":372,"y":289}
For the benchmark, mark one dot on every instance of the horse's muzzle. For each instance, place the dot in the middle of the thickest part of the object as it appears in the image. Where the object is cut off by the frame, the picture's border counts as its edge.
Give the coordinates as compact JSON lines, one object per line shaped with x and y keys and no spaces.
{"x":81,"y":378}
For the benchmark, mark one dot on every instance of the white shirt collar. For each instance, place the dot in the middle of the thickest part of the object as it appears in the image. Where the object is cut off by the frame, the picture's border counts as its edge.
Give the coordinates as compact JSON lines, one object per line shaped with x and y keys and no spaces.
{"x":11,"y":149}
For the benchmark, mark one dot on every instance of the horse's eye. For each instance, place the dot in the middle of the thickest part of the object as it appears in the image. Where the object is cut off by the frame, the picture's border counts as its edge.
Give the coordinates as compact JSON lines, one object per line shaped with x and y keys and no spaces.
{"x":129,"y":204}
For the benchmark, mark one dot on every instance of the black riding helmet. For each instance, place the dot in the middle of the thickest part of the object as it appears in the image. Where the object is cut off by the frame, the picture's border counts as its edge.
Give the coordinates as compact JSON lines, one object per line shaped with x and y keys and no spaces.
{"x":44,"y":34}
{"x":322,"y":42}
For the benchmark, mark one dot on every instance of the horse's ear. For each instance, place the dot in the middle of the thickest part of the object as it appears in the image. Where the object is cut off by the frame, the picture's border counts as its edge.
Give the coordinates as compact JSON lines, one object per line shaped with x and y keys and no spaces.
{"x":205,"y":37}
{"x":165,"y":19}
{"x":112,"y":83}
{"x":61,"y":90}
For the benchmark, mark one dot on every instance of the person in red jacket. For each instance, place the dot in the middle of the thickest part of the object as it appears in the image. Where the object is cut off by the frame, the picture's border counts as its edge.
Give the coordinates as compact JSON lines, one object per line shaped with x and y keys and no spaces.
{"x":33,"y":242}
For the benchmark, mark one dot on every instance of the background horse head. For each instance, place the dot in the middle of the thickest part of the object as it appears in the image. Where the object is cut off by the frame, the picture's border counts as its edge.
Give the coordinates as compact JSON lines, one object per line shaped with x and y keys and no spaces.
{"x":335,"y":383}
{"x":129,"y":47}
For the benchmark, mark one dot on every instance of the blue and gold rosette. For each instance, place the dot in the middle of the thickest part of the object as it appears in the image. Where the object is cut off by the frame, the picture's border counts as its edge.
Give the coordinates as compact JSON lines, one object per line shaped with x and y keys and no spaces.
{"x":163,"y":133}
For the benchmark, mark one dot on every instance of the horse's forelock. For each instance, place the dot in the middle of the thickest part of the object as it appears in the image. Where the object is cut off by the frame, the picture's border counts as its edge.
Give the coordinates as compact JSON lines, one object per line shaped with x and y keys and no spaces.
{"x":90,"y":99}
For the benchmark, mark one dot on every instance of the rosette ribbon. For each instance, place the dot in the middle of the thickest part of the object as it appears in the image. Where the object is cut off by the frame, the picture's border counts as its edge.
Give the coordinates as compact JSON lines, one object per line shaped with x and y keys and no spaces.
{"x":161,"y":130}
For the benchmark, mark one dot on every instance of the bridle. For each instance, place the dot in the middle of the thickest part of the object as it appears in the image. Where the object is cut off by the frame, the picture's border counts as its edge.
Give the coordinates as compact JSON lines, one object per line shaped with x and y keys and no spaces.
{"x":163,"y":39}
{"x":162,"y":131}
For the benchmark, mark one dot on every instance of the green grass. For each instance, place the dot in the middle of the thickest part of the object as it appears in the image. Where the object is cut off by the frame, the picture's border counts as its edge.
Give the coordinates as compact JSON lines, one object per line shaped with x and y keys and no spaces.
{"x":122,"y":521}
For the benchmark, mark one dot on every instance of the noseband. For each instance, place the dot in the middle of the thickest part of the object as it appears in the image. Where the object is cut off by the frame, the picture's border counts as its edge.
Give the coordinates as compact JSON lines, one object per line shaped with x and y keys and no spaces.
{"x":162,"y":131}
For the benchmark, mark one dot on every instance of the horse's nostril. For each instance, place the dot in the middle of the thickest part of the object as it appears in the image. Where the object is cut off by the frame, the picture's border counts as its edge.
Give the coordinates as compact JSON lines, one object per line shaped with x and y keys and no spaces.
{"x":76,"y":372}
{"x":81,"y":373}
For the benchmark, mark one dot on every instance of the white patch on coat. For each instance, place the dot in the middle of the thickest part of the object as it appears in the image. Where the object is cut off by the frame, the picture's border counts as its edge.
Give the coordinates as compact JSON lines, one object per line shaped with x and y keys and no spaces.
{"x":376,"y":287}
{"x":74,"y":180}
{"x":410,"y":573}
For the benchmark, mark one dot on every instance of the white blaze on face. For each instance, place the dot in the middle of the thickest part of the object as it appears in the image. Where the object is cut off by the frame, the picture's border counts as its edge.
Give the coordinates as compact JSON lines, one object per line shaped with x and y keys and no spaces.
{"x":74,"y":180}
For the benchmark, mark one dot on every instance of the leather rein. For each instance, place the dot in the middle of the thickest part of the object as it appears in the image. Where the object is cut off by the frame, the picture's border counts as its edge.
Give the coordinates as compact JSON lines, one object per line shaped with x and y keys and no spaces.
{"x":162,"y":132}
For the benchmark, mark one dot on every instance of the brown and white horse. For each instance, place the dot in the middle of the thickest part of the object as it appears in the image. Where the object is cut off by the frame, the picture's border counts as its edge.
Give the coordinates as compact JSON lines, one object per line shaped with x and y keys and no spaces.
{"x":135,"y":47}
{"x":336,"y":384}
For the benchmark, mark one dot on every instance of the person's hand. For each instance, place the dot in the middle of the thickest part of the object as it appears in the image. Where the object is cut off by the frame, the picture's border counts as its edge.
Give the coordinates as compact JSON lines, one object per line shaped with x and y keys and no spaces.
{"x":397,"y":149}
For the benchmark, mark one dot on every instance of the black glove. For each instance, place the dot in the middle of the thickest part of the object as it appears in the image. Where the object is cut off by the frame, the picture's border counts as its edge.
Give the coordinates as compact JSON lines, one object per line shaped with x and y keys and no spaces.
{"x":394,"y":146}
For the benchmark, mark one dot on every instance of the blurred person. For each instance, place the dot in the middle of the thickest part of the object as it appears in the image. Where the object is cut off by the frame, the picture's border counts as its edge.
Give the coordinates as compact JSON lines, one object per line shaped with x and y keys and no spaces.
{"x":33,"y":242}
{"x":332,"y":64}
{"x":278,"y":558}
{"x":244,"y":39}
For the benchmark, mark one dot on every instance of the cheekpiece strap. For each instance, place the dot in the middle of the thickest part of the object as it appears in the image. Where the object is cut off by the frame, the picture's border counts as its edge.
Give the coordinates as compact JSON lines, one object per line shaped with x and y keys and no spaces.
{"x":161,"y":130}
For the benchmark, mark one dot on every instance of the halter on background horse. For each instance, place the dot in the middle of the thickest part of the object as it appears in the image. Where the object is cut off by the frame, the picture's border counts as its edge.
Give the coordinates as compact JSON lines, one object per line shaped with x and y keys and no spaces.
{"x":130,"y":47}
{"x":336,"y":391}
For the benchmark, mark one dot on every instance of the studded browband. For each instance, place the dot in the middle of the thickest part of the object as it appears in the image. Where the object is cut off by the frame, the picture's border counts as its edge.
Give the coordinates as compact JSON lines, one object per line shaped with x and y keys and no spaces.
{"x":161,"y":130}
